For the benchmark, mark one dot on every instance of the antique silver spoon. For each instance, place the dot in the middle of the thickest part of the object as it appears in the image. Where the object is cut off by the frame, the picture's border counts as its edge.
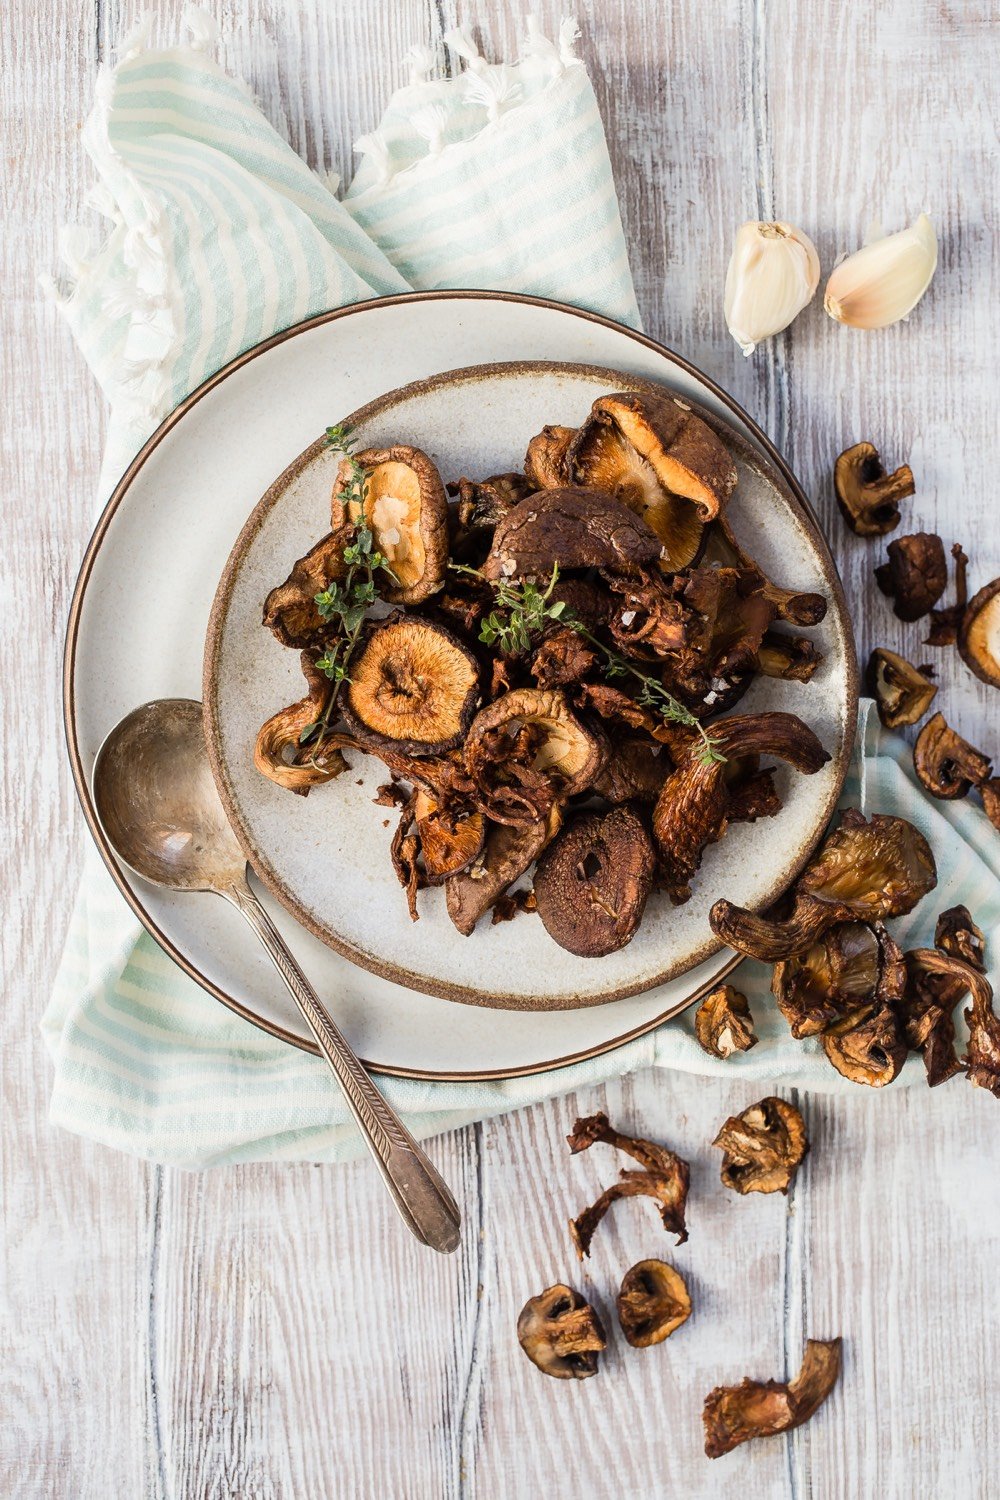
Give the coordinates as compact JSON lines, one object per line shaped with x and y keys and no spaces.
{"x":159,"y":806}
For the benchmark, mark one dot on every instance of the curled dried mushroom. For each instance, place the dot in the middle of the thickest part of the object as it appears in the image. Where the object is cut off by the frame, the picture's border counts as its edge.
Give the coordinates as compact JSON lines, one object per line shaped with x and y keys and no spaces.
{"x":656,"y":456}
{"x":869,"y":497}
{"x":915,"y":575}
{"x":561,"y":1333}
{"x":545,"y":460}
{"x":957,"y":934}
{"x":902,"y":693}
{"x":982,"y":1057}
{"x":723,"y":1023}
{"x":283,"y":752}
{"x":413,"y":687}
{"x":406,"y":509}
{"x":832,"y":977}
{"x":593,"y":881}
{"x":653,"y":1303}
{"x":735,"y":1414}
{"x":763,"y":1147}
{"x":527,"y":750}
{"x":571,"y":529}
{"x":979,"y":634}
{"x":866,"y":870}
{"x":665,"y":1178}
{"x":290,"y":611}
{"x":948,"y":766}
{"x":945,"y":621}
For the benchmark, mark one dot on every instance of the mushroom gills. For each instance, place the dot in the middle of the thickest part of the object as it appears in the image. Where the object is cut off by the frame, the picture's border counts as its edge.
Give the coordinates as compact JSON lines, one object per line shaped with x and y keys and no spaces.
{"x":412,"y":685}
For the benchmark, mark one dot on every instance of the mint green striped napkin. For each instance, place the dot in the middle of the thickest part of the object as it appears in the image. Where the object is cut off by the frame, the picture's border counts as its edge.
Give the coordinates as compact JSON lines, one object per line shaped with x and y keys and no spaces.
{"x":220,"y":235}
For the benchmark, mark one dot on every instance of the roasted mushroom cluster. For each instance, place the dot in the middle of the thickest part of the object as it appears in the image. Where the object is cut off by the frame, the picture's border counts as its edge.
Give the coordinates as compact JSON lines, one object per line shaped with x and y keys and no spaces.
{"x":540,"y":661}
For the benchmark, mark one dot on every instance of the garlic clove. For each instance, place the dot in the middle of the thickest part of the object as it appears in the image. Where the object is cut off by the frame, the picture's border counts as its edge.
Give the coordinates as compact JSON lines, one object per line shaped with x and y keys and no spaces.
{"x":773,"y":273}
{"x":884,"y":280}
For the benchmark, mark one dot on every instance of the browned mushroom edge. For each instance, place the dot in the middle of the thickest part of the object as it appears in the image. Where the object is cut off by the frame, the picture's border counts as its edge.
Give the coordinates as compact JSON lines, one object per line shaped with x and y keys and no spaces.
{"x":282,"y":751}
{"x":723,"y":1023}
{"x":561,"y":1333}
{"x":946,"y":765}
{"x":915,"y":574}
{"x":868,"y":497}
{"x":735,"y":1414}
{"x":763,"y":1147}
{"x":665,"y":1178}
{"x":406,"y":509}
{"x":653,"y":1303}
{"x":979,"y":634}
{"x":902,"y":693}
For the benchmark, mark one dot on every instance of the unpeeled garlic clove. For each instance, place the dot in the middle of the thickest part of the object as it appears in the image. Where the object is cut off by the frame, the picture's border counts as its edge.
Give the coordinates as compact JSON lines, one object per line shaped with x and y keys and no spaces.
{"x":773,"y":273}
{"x":884,"y":280}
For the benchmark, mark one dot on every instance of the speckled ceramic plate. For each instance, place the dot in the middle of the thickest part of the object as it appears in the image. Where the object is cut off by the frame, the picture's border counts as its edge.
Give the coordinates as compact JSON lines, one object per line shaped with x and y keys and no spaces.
{"x":326,"y":856}
{"x":141,"y":607}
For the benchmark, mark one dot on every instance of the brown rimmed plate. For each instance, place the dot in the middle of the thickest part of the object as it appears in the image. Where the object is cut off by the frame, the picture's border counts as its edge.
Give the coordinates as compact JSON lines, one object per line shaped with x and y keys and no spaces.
{"x":144,"y":597}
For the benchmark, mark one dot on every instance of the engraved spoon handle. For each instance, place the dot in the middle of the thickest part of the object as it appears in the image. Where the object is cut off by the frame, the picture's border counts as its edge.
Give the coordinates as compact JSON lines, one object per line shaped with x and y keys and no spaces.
{"x":419,"y":1193}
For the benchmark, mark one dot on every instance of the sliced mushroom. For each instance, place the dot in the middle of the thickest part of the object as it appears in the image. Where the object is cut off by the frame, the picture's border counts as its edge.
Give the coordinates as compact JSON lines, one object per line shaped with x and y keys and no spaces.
{"x":413,"y":687}
{"x":902,"y":693}
{"x":290,"y":610}
{"x":834,"y":976}
{"x":790,"y":605}
{"x":792,"y":658}
{"x":653,"y":1303}
{"x":982,"y":1059}
{"x":406,"y":508}
{"x":561,"y":1333}
{"x":763,"y":1147}
{"x":734,"y":1414}
{"x":665,"y":1177}
{"x":870,"y":1050}
{"x":915,"y":575}
{"x":979,"y":634}
{"x":928,"y":1017}
{"x":948,"y":766}
{"x":723,"y":1023}
{"x":956,"y":933}
{"x":945,"y":622}
{"x":449,"y":839}
{"x":865,"y":870}
{"x":508,"y":852}
{"x":663,"y":462}
{"x":527,"y":750}
{"x":286,"y":752}
{"x":570,"y":529}
{"x":545,"y":460}
{"x":593,"y":881}
{"x":692,"y":809}
{"x":869,"y":497}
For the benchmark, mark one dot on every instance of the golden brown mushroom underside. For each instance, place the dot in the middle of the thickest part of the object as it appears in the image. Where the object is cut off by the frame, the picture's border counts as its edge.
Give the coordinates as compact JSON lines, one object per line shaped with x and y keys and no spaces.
{"x":734,"y":1414}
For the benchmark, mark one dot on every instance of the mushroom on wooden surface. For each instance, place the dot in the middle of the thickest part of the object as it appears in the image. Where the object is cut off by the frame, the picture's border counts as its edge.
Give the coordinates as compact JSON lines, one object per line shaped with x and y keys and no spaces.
{"x":665,"y":1178}
{"x":561,"y":1333}
{"x":868,"y":497}
{"x":653,"y":1303}
{"x":915,"y":574}
{"x":902,"y":693}
{"x":763,"y":1147}
{"x":735,"y":1414}
{"x":979,"y":634}
{"x":948,"y":766}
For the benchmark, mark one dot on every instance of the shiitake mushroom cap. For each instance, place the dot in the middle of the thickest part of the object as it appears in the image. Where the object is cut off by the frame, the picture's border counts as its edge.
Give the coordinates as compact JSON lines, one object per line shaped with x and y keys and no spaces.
{"x":413,"y":687}
{"x":406,"y":509}
{"x":593,"y":882}
{"x":571,"y":529}
{"x":979,"y":634}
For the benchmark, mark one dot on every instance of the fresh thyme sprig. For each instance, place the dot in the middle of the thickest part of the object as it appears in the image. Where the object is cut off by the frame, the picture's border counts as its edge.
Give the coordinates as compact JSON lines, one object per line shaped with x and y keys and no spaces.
{"x":345,"y":603}
{"x":523,"y":611}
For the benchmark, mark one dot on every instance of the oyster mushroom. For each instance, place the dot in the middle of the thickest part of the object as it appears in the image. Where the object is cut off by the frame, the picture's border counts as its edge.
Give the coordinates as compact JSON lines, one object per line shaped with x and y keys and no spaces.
{"x":569,"y":529}
{"x":413,"y":687}
{"x":948,"y":766}
{"x":593,"y":881}
{"x":835,"y":975}
{"x":284,"y":751}
{"x":915,"y":575}
{"x":653,"y":1303}
{"x":545,"y":460}
{"x":664,"y":1177}
{"x":869,"y":497}
{"x":661,"y":460}
{"x":763,"y":1147}
{"x":561,"y":1333}
{"x":734,"y":1414}
{"x":407,"y":512}
{"x":902,"y":693}
{"x":290,"y":611}
{"x":527,"y":750}
{"x":865,"y":870}
{"x":723,"y":1023}
{"x":507,"y":853}
{"x":692,"y":809}
{"x":450,"y":839}
{"x":979,"y":634}
{"x":791,"y":606}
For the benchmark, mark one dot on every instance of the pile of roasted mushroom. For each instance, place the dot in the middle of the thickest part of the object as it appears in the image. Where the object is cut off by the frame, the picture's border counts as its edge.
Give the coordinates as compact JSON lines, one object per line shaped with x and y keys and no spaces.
{"x":548,"y":684}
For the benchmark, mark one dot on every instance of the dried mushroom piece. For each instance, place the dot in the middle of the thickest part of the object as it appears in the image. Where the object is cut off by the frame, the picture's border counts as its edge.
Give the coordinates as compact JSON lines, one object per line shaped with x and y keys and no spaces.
{"x":956,"y":933}
{"x":413,"y":687}
{"x":508,"y":852}
{"x":723,"y":1023}
{"x":990,"y":793}
{"x":945,"y":622}
{"x":665,"y":1178}
{"x":982,"y":1058}
{"x":483,"y":503}
{"x":561,"y":1333}
{"x":869,"y":497}
{"x":545,"y":460}
{"x":692,"y":810}
{"x":902,"y":693}
{"x":915,"y":575}
{"x":406,"y":509}
{"x":866,"y":870}
{"x":948,"y":766}
{"x":288,"y":749}
{"x":792,"y":658}
{"x":979,"y":634}
{"x":527,"y":750}
{"x":869,"y":1044}
{"x":450,"y":839}
{"x":562,"y":658}
{"x":571,"y":529}
{"x":735,"y":1414}
{"x":763,"y":1147}
{"x":592,"y":883}
{"x":927,"y":1008}
{"x":635,"y":770}
{"x":653,"y":1303}
{"x":792,"y":606}
{"x":836,"y":974}
{"x":290,"y":611}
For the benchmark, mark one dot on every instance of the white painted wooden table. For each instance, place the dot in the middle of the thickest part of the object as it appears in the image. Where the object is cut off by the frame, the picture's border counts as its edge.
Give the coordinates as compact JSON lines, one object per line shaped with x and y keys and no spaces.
{"x":269,"y":1331}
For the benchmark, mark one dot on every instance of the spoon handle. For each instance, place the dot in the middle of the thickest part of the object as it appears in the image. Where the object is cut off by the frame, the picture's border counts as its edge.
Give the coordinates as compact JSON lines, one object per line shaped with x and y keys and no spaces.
{"x":421,"y":1196}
